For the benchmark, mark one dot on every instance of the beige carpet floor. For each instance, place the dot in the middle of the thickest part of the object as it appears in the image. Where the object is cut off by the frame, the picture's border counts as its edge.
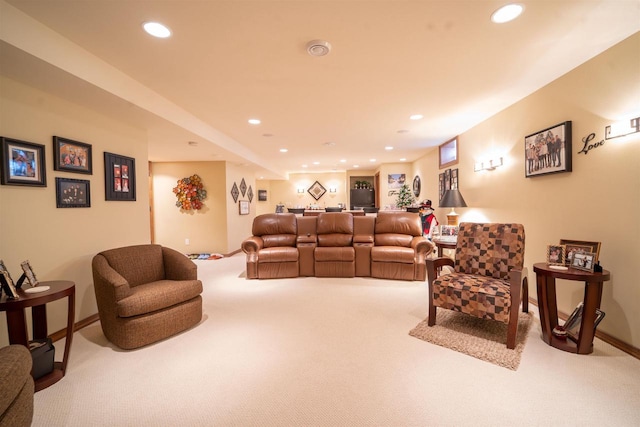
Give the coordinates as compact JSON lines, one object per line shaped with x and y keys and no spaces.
{"x":479,"y":338}
{"x":328,"y":352}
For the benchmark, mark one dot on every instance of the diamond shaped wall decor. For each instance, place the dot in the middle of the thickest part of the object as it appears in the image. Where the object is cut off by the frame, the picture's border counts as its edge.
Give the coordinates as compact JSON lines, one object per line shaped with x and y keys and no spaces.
{"x":316,"y":190}
{"x":234,"y":192}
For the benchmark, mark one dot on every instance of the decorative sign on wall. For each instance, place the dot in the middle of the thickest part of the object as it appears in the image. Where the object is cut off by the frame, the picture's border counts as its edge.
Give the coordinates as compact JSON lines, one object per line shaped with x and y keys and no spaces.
{"x":588,"y":146}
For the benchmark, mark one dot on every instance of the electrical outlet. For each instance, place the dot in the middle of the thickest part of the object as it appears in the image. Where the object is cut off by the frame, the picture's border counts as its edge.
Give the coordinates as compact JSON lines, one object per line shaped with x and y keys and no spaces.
{"x":186,"y":242}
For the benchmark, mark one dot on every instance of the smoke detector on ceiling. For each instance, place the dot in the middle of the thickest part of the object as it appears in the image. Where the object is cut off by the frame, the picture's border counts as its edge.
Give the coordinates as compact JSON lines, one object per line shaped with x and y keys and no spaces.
{"x":318,"y":48}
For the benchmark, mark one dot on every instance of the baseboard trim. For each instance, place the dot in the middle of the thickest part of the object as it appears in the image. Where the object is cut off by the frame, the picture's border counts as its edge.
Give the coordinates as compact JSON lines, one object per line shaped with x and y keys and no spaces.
{"x":237,"y":251}
{"x":58,"y":335}
{"x":619,"y":344}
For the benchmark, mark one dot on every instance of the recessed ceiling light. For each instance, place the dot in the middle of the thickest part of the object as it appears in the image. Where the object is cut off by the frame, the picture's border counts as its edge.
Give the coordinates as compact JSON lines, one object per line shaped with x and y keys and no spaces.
{"x":416,"y":117}
{"x":403,"y":159}
{"x":156,"y":29}
{"x":254,"y":121}
{"x":507,"y":13}
{"x":343,"y":160}
{"x":356,"y":166}
{"x":372,"y":160}
{"x":318,"y":47}
{"x":316,"y":163}
{"x":388,"y":148}
{"x":283,"y":150}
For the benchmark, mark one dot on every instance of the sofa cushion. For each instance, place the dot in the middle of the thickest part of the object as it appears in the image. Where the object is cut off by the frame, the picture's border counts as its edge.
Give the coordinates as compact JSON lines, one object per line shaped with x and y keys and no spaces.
{"x":340,"y":254}
{"x":150,"y":297}
{"x":393,"y":254}
{"x":392,"y":239}
{"x":278,"y":240}
{"x":278,"y":254}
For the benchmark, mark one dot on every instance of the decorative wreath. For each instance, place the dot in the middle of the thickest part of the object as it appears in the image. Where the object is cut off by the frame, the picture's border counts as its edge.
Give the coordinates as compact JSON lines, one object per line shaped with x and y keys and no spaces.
{"x":190,"y":193}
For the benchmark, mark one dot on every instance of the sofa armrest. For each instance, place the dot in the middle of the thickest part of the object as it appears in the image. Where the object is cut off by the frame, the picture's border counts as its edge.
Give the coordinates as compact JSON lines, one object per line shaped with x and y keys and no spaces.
{"x":108,"y":281}
{"x":421,"y":245}
{"x":177,"y":266}
{"x":252,"y":244}
{"x":363,"y":238}
{"x":309,"y":238}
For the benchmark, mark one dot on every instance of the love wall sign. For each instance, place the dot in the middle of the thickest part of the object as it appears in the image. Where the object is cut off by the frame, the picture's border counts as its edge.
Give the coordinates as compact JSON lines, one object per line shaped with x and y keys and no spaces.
{"x":588,"y":146}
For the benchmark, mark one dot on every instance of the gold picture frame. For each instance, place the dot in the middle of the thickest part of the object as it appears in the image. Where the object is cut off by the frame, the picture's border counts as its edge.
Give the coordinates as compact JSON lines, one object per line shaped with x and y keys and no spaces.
{"x":556,"y":254}
{"x":575,"y":246}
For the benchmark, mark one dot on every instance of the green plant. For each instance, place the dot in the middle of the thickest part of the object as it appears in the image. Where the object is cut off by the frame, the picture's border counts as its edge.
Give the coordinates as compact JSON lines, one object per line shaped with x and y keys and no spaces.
{"x":405,"y":197}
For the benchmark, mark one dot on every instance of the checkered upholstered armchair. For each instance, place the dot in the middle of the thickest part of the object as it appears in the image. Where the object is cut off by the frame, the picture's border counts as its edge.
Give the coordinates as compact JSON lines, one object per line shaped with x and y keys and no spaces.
{"x":488,"y":280}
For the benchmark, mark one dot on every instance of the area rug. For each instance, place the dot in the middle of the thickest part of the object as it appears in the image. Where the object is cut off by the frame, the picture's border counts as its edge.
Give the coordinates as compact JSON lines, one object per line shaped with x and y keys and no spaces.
{"x":483,"y":339}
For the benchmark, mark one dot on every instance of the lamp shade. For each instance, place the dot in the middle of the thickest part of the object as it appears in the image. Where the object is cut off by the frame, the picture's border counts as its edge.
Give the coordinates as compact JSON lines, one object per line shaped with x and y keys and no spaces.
{"x":453,"y":199}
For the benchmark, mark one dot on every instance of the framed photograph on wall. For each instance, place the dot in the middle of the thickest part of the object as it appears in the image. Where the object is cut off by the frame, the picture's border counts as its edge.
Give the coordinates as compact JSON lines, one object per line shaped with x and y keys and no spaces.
{"x":72,"y":156}
{"x":262,"y":195}
{"x":119,"y":177}
{"x":243,"y":206}
{"x":396,"y":180}
{"x":447,"y":179}
{"x":23,"y":163}
{"x":548,"y":151}
{"x":73,"y":193}
{"x":440,"y":186}
{"x":448,"y":153}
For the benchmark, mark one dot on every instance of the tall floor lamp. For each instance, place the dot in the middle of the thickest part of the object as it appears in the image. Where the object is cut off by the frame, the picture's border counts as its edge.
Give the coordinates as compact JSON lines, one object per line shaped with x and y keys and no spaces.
{"x":452,"y":199}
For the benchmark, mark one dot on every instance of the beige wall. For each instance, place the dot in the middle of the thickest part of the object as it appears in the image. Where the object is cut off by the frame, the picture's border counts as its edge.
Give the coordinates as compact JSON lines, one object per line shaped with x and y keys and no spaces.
{"x":217,"y":227}
{"x":598,"y":201}
{"x":60,"y":243}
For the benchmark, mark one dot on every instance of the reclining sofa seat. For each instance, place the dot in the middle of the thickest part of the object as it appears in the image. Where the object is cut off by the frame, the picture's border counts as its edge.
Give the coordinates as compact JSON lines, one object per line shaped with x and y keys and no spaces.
{"x":145,"y":293}
{"x":334,"y":255}
{"x":399,"y":250}
{"x":271,"y":251}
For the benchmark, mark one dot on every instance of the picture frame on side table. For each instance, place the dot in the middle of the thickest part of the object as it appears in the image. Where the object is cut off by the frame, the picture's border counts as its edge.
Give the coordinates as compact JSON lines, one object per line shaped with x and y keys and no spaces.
{"x":72,"y":156}
{"x":448,"y":153}
{"x":576,"y":246}
{"x":583,"y":261}
{"x":119,"y":178}
{"x":548,"y":151}
{"x":7,"y":284}
{"x":555,"y":254}
{"x":243,"y":207}
{"x":29,"y":274}
{"x":73,"y":193}
{"x":572,"y":325}
{"x":22,"y":163}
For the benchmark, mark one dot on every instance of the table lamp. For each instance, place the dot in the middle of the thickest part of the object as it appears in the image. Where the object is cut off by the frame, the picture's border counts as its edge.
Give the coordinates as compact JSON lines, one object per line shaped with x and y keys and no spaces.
{"x":452,"y":199}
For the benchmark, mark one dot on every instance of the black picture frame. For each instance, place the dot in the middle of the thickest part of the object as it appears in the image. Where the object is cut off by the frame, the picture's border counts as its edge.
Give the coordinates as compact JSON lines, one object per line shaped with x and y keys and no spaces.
{"x":316,"y":190}
{"x":243,"y":207}
{"x":440,"y":186}
{"x":73,"y":193}
{"x":6,"y":282}
{"x":262,"y":195}
{"x":119,"y":178}
{"x":416,"y":186}
{"x":548,"y":151}
{"x":29,"y":275}
{"x":72,"y":156}
{"x":574,"y":321}
{"x":23,"y":163}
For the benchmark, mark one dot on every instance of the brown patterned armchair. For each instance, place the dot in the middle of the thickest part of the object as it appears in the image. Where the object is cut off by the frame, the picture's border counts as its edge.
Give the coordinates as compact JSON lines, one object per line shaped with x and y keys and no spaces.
{"x":489,"y":278}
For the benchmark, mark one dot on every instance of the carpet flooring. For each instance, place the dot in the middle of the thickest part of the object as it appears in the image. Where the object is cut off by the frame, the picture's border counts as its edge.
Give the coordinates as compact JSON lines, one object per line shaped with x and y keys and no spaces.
{"x":483,"y":339}
{"x":327,"y":352}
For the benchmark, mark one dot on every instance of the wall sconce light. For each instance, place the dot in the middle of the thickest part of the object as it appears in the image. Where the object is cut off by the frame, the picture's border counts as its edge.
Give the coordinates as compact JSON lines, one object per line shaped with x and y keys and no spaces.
{"x":332,"y":189}
{"x":487,"y":165}
{"x":300,"y":190}
{"x":622,"y":128}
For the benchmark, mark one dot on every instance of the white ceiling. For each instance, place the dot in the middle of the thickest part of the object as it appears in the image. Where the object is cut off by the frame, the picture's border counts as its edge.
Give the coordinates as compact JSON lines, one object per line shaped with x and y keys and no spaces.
{"x":229,"y":61}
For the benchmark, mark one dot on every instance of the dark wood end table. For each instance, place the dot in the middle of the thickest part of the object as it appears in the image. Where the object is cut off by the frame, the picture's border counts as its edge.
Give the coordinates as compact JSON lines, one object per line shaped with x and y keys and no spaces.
{"x":17,"y":325}
{"x":547,"y":305}
{"x":442,"y":244}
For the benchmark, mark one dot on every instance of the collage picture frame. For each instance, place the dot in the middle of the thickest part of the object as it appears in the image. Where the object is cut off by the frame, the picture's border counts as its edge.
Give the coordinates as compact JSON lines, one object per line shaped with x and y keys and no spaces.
{"x":120,"y":177}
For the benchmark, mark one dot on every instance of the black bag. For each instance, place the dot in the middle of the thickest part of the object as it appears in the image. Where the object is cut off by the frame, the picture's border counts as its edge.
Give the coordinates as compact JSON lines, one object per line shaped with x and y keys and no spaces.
{"x":42,"y":352}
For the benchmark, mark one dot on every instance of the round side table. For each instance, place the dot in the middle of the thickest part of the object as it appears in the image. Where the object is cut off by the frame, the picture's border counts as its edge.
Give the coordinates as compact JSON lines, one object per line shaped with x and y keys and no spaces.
{"x":17,"y":325}
{"x":547,"y":305}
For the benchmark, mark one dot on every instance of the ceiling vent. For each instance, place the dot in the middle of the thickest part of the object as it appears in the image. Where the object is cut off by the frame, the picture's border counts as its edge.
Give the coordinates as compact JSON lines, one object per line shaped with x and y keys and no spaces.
{"x":318,"y":48}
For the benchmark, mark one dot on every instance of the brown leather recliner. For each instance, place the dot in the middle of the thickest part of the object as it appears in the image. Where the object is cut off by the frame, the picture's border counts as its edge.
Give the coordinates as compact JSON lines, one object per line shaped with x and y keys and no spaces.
{"x":271,"y":251}
{"x":335,"y":256}
{"x":400,"y":250}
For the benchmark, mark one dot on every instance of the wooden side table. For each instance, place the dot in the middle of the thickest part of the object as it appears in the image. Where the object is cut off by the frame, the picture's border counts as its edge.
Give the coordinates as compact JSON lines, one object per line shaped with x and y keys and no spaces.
{"x":547,"y":305}
{"x":17,"y":325}
{"x":441,"y":244}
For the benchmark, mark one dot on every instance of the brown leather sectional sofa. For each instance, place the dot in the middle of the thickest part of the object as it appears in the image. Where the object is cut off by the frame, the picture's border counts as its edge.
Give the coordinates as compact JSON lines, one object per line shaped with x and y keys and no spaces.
{"x":388,"y":246}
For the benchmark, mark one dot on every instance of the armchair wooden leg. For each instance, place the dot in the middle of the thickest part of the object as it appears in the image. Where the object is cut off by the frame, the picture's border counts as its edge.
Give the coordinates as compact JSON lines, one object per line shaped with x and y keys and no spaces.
{"x":512,"y":330}
{"x":525,"y":295}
